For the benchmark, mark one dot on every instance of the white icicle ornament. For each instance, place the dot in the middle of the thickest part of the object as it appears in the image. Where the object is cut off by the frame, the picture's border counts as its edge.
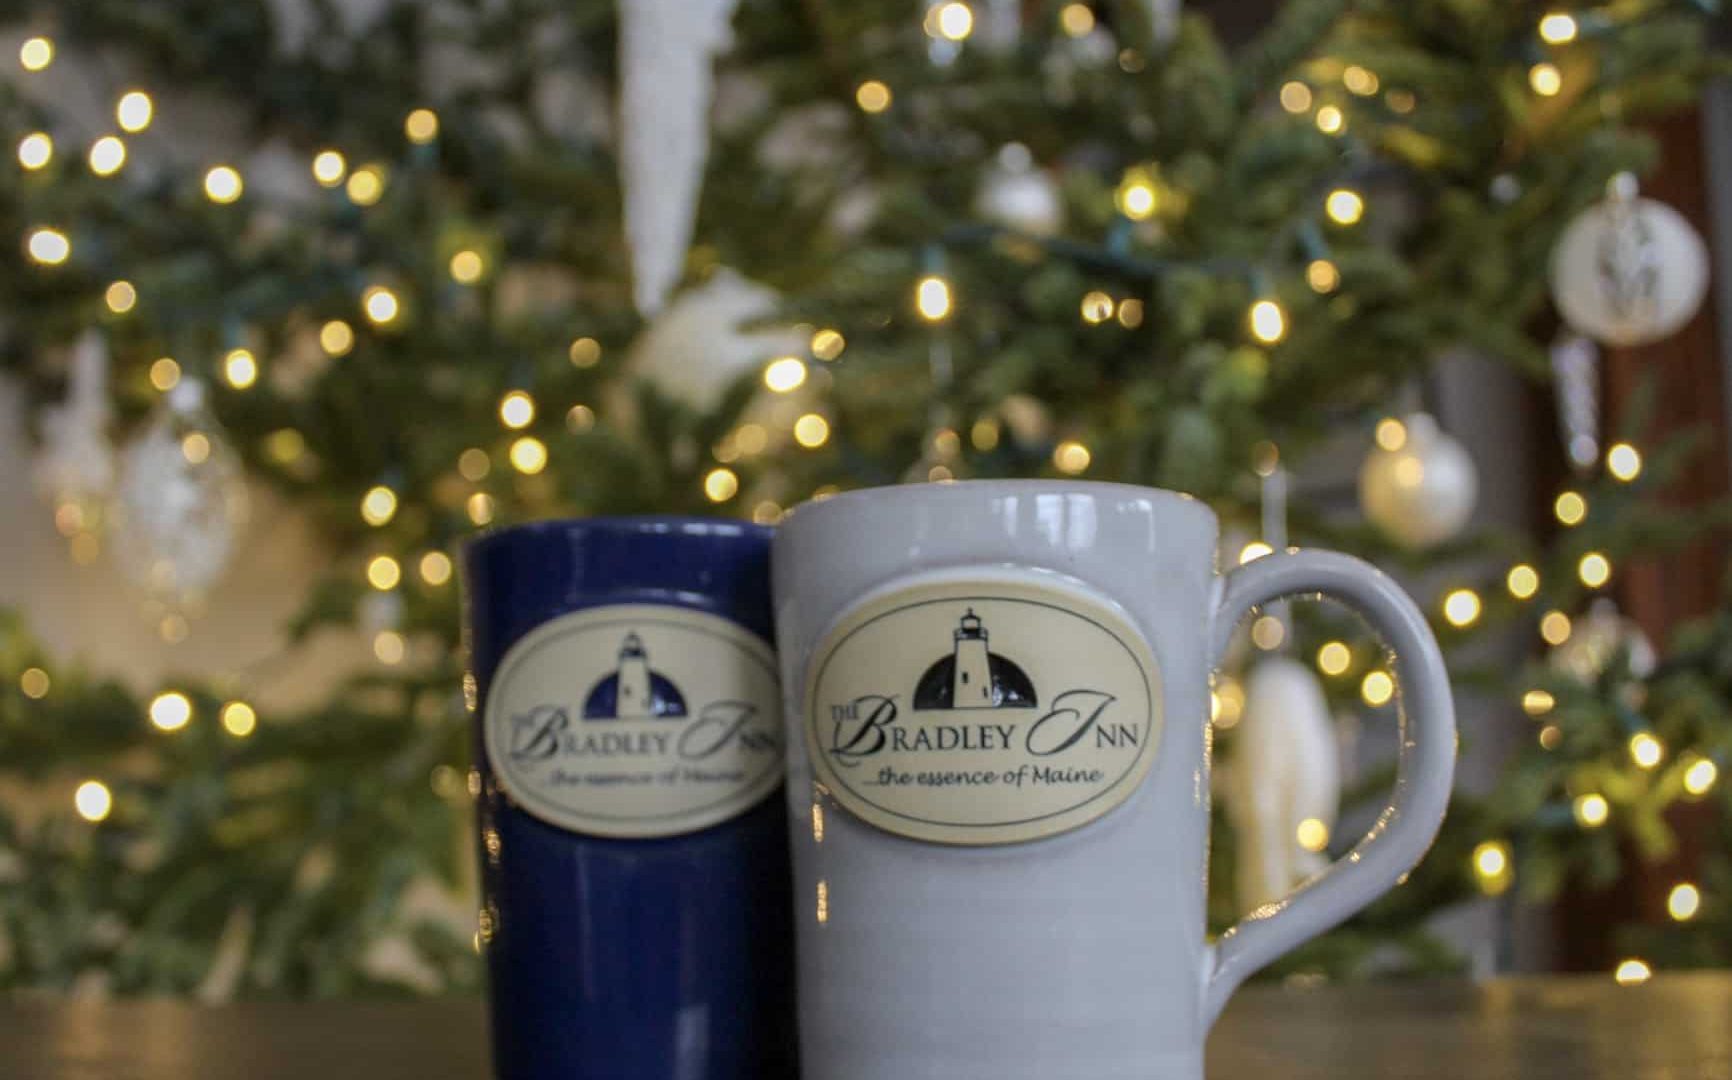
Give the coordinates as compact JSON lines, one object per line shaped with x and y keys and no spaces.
{"x":181,"y":501}
{"x":1420,"y":488}
{"x":666,"y":52}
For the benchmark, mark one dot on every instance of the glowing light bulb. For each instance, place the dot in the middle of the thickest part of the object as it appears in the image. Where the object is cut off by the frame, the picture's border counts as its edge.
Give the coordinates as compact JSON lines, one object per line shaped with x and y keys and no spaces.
{"x":1592,"y":810}
{"x":1334,"y":658}
{"x":1360,"y":81}
{"x":134,"y":110}
{"x":720,"y":485}
{"x":1136,"y":197}
{"x":811,"y":431}
{"x":467,"y":267}
{"x":1555,"y":627}
{"x":1683,"y":902}
{"x":50,"y":247}
{"x":517,"y":410}
{"x":436,"y":568}
{"x":379,"y":505}
{"x":1313,"y":835}
{"x":1462,"y":607}
{"x":1331,"y":120}
{"x":120,"y":297}
{"x":195,"y":448}
{"x":164,"y":374}
{"x":1546,"y":79}
{"x":1523,"y":581}
{"x":1071,"y":457}
{"x":828,"y":344}
{"x":585,"y":352}
{"x":1130,"y":313}
{"x":1391,"y":434}
{"x":1323,"y":276}
{"x":421,"y":126}
{"x":1268,"y":322}
{"x":35,"y":150}
{"x":1268,"y":632}
{"x":239,"y":719}
{"x":1345,"y":206}
{"x":473,"y":464}
{"x":1571,"y":509}
{"x":1624,"y":462}
{"x":872,"y":96}
{"x":1077,"y":20}
{"x":1296,"y":97}
{"x":329,"y":167}
{"x":223,"y":184}
{"x":381,"y":305}
{"x":529,"y":455}
{"x":366,"y":185}
{"x":240,"y":369}
{"x":390,"y":647}
{"x":1699,"y":778}
{"x":1538,"y":702}
{"x":953,"y":21}
{"x":1633,"y":972}
{"x":579,"y":419}
{"x":1377,"y":688}
{"x":1491,"y":866}
{"x":1594,"y":570}
{"x":36,"y":53}
{"x":93,"y":801}
{"x":480,"y":508}
{"x":785,"y":375}
{"x":1646,"y":751}
{"x":170,"y":710}
{"x":107,"y":155}
{"x":932,"y":298}
{"x":33,"y":683}
{"x":1559,"y":28}
{"x":1253,"y":551}
{"x":336,"y":338}
{"x":384,"y":572}
{"x":1097,"y":308}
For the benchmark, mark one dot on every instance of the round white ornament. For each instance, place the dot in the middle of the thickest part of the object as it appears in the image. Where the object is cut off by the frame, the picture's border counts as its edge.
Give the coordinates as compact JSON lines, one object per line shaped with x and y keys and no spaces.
{"x":1017,"y":194}
{"x":1421,"y":492}
{"x":1596,"y":638}
{"x":180,"y":502}
{"x":1630,"y":271}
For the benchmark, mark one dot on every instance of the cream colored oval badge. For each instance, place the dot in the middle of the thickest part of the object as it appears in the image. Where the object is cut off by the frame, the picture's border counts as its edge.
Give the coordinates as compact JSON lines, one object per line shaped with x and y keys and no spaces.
{"x":982,"y":712}
{"x":636,"y":721}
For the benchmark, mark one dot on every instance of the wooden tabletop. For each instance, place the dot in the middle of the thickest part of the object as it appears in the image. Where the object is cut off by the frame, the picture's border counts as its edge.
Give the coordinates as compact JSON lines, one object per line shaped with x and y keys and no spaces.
{"x":1674,"y":1028}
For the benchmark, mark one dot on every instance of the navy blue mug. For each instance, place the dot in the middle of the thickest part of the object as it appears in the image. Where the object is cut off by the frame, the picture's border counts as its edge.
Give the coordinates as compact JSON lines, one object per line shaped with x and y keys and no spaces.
{"x":637,"y":919}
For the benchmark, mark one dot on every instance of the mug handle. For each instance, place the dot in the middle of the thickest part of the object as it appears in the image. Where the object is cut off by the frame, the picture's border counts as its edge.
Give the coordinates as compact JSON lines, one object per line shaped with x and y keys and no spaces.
{"x":1425,"y":766}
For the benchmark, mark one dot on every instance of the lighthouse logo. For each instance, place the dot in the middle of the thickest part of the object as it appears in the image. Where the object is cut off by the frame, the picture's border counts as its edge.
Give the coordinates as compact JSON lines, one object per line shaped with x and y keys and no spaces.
{"x":973,"y":677}
{"x":634,"y":691}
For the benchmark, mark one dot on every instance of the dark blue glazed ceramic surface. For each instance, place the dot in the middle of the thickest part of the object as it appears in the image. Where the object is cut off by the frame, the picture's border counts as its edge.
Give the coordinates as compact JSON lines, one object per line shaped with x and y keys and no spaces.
{"x":615,"y":959}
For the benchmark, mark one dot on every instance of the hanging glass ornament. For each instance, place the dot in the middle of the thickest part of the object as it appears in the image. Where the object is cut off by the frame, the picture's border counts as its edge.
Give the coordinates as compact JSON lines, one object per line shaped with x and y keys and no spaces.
{"x":1630,"y":271}
{"x":1418,"y":484}
{"x":181,"y":501}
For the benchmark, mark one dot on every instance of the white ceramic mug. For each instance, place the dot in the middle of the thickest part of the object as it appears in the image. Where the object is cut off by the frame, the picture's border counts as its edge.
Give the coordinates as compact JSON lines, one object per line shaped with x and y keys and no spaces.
{"x":998,"y":708}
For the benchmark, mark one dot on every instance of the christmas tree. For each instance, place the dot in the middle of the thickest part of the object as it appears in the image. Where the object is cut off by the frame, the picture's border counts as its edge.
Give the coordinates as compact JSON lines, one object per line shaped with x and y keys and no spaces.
{"x":465,"y":265}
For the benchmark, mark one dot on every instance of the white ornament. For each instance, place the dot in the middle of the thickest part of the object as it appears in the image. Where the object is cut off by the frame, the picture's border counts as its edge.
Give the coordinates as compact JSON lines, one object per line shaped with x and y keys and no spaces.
{"x":1630,"y":271}
{"x":666,"y":52}
{"x":1285,"y":787}
{"x":75,"y":467}
{"x":180,"y":502}
{"x":1597,"y":637}
{"x":1576,"y":379}
{"x":701,"y":344}
{"x":1017,"y":194}
{"x":1164,"y":20}
{"x":1423,"y":492}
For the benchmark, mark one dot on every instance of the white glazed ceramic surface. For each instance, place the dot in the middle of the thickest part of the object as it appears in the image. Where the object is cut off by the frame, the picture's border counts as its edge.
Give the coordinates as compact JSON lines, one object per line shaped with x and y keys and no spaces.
{"x":1080,"y":954}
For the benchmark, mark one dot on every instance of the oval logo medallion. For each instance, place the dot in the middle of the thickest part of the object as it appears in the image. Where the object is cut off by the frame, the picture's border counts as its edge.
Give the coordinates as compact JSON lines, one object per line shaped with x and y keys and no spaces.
{"x":982,"y":712}
{"x":636,"y":721}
